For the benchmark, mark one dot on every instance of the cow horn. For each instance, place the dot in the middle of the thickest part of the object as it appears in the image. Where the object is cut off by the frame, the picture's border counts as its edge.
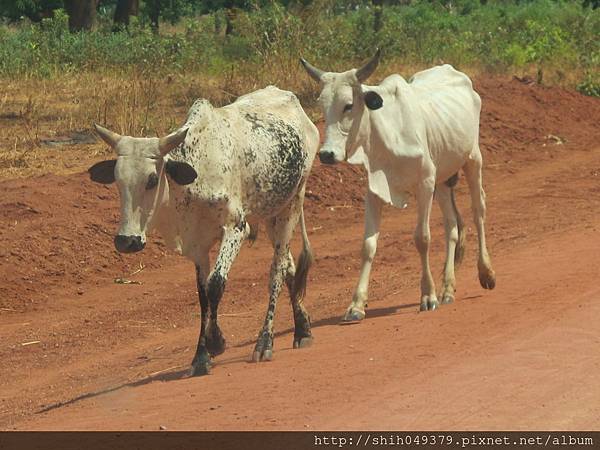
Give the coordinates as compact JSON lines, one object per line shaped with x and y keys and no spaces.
{"x":168,"y":143}
{"x":315,"y":73}
{"x":367,"y":70}
{"x":110,"y":137}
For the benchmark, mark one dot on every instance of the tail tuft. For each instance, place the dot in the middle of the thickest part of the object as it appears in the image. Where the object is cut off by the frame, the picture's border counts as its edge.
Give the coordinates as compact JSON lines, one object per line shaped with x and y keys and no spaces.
{"x":253,"y":234}
{"x":305,"y":261}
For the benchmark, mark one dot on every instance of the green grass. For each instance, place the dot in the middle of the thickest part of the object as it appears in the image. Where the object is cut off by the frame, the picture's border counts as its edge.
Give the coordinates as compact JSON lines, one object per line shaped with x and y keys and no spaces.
{"x":556,"y":36}
{"x":553,"y":40}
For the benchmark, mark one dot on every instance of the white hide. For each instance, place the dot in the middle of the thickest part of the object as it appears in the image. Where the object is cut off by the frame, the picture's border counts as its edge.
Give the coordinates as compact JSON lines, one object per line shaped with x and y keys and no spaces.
{"x":432,"y":119}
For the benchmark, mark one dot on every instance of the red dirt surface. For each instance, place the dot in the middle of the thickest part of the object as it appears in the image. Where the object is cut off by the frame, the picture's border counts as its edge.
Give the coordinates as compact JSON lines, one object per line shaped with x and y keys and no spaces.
{"x":524,"y":356}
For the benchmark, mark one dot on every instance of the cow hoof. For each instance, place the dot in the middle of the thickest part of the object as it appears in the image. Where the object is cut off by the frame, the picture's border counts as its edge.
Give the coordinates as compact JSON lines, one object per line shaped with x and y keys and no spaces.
{"x":199,"y":370}
{"x":429,"y":304}
{"x":353,"y":315}
{"x":447,"y":299}
{"x":264,"y":355}
{"x":487,"y":279}
{"x":264,"y":347}
{"x":302,"y":342}
{"x":200,"y":365}
{"x":215,"y":342}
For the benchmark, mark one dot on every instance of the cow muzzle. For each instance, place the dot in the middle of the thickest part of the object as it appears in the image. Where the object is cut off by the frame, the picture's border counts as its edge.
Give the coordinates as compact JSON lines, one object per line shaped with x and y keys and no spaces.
{"x":327,"y":157}
{"x":129,"y":244}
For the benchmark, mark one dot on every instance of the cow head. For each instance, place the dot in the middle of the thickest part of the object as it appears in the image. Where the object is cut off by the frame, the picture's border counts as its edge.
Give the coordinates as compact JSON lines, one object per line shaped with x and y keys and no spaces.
{"x":338,"y":90}
{"x":140,"y":172}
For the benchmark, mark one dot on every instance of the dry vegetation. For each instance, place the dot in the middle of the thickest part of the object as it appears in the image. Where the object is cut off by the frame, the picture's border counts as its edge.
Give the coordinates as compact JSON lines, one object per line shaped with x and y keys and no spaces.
{"x":54,"y":85}
{"x":45,"y":125}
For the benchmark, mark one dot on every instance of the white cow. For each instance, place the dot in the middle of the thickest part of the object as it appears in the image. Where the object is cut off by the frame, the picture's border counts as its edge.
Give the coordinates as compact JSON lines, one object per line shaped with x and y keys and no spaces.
{"x":412,"y":138}
{"x":213,"y":180}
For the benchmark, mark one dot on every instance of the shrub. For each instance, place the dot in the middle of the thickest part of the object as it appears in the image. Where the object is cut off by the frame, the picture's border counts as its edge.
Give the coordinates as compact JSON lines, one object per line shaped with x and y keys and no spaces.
{"x":502,"y":35}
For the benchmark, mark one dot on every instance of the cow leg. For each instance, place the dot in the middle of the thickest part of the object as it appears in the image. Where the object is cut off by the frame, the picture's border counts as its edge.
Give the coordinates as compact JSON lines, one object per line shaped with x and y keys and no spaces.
{"x":487,"y":276}
{"x":302,"y":333}
{"x":281,"y":229}
{"x":454,"y":240}
{"x":201,"y":361}
{"x":356,"y":310}
{"x":211,"y":338}
{"x":422,"y":239}
{"x":233,"y":237}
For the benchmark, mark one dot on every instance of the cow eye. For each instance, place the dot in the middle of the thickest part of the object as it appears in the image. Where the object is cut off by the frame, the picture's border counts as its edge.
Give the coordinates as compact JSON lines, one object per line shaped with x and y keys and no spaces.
{"x":152,"y":181}
{"x":348,"y":107}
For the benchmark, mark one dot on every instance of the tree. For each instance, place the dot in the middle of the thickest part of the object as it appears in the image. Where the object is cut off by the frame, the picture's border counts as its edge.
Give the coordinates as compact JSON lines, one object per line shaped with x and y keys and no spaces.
{"x":125,"y":9}
{"x":153,"y":7}
{"x":34,"y":10}
{"x":378,"y":20}
{"x":81,"y":14}
{"x":171,"y":10}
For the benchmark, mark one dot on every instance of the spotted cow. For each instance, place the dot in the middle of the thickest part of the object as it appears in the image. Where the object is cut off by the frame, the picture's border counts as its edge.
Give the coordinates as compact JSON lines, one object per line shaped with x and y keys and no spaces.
{"x":215,"y":179}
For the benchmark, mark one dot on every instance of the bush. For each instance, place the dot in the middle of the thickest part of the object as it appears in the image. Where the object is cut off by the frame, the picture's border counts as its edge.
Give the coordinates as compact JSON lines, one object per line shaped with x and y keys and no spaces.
{"x":590,"y":86}
{"x":502,"y":35}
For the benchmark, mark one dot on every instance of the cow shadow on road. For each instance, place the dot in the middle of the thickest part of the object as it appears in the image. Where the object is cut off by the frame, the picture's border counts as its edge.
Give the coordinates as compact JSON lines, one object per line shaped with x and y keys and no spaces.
{"x":372,"y":313}
{"x":167,"y":376}
{"x":183,"y":372}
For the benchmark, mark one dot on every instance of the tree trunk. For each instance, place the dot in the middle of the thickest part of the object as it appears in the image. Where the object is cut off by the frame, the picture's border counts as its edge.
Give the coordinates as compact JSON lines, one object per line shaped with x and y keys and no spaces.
{"x":229,"y":18}
{"x":378,"y":19}
{"x":125,"y":9}
{"x":81,"y":14}
{"x":153,"y":13}
{"x":230,"y":14}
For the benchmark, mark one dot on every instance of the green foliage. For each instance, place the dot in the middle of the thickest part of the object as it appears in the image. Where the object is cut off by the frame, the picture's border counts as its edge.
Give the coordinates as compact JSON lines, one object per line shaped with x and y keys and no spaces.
{"x":590,"y":85}
{"x":32,"y":9}
{"x":334,"y":34}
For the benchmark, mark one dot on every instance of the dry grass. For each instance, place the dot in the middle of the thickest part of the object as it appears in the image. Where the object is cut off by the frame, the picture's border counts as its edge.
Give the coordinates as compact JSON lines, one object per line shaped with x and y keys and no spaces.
{"x":33,"y":112}
{"x":36,"y":115}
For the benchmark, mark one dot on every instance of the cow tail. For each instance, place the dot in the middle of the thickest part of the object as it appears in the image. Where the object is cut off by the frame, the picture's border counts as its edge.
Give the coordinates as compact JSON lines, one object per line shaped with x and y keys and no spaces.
{"x":252,"y":234}
{"x":459,"y":252}
{"x":305,"y":260}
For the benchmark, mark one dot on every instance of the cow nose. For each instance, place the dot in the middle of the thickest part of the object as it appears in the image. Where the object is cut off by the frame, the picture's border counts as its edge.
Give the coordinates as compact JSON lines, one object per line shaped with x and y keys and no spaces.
{"x":326,"y":157}
{"x":128,"y":244}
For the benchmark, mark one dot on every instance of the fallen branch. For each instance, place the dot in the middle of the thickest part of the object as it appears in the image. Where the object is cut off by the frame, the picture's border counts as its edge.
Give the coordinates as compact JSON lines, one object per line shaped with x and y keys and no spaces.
{"x":126,"y":281}
{"x":165,"y":370}
{"x":139,"y":269}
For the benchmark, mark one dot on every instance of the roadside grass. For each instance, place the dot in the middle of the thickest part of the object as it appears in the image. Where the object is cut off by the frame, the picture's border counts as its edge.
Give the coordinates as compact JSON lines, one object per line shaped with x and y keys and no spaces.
{"x":54,"y":85}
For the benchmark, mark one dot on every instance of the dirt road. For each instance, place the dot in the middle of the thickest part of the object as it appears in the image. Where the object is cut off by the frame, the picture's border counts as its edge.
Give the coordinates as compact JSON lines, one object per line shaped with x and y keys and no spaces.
{"x":523,"y":356}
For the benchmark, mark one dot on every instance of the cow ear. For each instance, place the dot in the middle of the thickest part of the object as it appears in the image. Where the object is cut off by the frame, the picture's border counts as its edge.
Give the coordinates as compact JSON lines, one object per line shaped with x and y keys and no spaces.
{"x":181,"y":172}
{"x":103,"y":172}
{"x":373,"y":100}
